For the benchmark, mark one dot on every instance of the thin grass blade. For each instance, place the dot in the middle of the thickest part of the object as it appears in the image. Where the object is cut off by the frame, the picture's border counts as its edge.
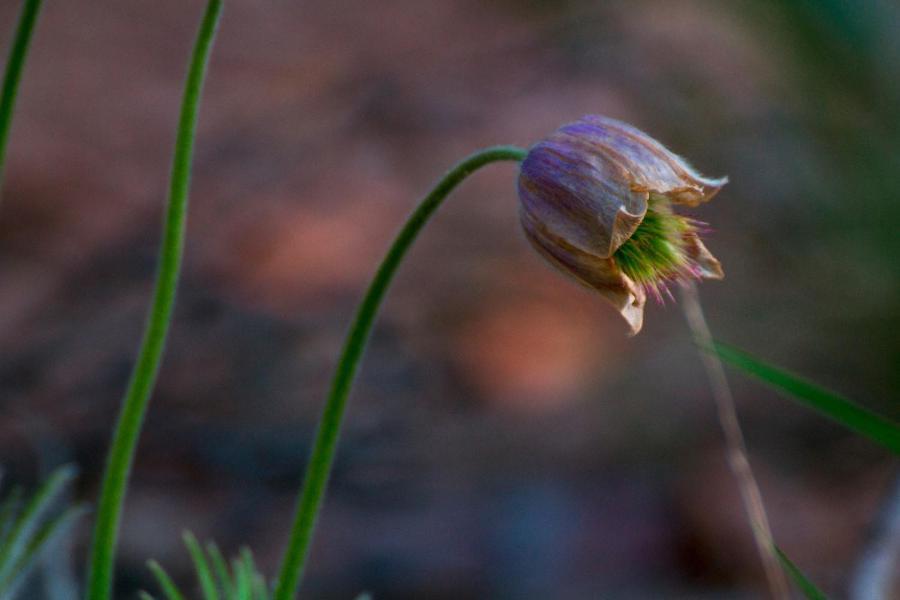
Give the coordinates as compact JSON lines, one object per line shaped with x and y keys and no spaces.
{"x":48,"y":532}
{"x":220,"y":567}
{"x":165,"y":582}
{"x":29,"y":519}
{"x":256,"y":581}
{"x":8,"y":512}
{"x":832,"y":405}
{"x":810,"y":591}
{"x":242,"y":579}
{"x":201,"y":565}
{"x":260,"y":589}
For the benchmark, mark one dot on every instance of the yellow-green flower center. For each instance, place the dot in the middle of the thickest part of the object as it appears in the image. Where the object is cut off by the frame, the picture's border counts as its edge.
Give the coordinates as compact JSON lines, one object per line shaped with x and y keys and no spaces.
{"x":655,"y":254}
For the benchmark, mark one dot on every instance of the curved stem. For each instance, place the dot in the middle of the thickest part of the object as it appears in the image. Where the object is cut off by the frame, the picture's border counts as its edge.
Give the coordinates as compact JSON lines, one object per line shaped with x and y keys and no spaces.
{"x":310,"y":499}
{"x":13,"y":75}
{"x":143,"y":377}
{"x":734,"y":443}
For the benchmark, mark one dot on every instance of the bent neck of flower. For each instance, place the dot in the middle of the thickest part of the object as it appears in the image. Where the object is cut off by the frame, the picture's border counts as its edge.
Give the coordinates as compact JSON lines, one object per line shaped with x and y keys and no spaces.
{"x":312,"y":492}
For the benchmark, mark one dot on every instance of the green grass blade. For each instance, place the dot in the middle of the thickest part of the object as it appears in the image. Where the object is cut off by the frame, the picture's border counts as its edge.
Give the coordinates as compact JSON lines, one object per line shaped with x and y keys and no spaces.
{"x":220,"y":567}
{"x":252,"y":573}
{"x":8,"y":513}
{"x":165,"y":582}
{"x":14,"y":65}
{"x":48,"y":532}
{"x":242,"y":579}
{"x":145,"y":595}
{"x":30,"y":518}
{"x":201,"y":565}
{"x":810,"y":591}
{"x":832,"y":405}
{"x":260,"y":590}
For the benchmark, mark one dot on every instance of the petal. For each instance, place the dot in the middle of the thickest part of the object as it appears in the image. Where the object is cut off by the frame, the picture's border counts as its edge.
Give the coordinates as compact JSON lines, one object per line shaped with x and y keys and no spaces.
{"x":598,"y":273}
{"x":651,"y":165}
{"x":580,"y":194}
{"x":708,"y":265}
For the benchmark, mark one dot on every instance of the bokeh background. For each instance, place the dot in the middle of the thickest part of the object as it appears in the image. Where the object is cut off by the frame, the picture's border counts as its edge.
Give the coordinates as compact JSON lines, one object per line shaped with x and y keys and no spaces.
{"x":505,"y":438}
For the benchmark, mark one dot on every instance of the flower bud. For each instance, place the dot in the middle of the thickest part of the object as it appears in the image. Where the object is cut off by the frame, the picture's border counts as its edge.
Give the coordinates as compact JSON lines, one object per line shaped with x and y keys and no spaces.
{"x":597,"y":200}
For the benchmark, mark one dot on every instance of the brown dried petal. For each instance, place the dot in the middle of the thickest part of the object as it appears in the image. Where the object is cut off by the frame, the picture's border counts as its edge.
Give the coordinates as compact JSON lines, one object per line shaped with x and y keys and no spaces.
{"x":597,"y":273}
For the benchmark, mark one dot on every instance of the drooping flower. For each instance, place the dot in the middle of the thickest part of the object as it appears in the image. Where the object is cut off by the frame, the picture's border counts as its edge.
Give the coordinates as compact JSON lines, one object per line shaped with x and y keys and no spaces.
{"x":597,"y":201}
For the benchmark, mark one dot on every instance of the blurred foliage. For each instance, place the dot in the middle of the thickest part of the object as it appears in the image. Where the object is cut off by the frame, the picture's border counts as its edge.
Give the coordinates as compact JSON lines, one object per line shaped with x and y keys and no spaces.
{"x":217,"y":580}
{"x":28,"y":528}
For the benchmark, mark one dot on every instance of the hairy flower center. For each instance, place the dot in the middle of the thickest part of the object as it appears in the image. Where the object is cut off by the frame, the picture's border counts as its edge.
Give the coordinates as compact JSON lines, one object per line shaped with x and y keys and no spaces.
{"x":655,"y":253}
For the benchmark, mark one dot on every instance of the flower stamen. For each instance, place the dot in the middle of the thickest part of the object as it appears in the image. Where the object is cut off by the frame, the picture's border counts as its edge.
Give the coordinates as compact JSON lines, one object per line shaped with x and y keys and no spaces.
{"x":655,"y":255}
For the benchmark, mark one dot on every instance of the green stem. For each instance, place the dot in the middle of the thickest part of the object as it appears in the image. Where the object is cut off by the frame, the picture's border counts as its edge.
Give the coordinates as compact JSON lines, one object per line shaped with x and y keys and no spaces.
{"x":17,"y":53}
{"x":143,"y":377}
{"x":311,"y":495}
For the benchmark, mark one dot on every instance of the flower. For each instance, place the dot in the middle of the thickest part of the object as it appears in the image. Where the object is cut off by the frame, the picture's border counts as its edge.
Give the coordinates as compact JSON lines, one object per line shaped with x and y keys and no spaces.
{"x":597,"y":201}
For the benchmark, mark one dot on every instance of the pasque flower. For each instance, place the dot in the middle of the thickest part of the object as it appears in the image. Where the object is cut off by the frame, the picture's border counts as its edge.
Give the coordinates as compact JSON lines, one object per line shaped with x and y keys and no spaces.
{"x":597,"y":201}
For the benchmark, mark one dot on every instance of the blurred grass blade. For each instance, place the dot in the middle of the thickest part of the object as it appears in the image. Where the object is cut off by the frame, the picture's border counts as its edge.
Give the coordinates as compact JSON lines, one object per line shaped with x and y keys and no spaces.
{"x":25,"y":532}
{"x":240,"y":581}
{"x":832,"y":405}
{"x":8,"y":513}
{"x":14,"y":65}
{"x":810,"y":591}
{"x":201,"y":565}
{"x":48,"y":532}
{"x":165,"y":582}
{"x":20,"y":534}
{"x":220,"y":566}
{"x":260,"y":590}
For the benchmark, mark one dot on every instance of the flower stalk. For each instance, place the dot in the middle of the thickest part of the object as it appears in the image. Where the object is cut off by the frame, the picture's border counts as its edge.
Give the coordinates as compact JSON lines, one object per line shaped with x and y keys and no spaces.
{"x":736,"y":448}
{"x":144,"y":374}
{"x":13,"y":75}
{"x":318,"y":469}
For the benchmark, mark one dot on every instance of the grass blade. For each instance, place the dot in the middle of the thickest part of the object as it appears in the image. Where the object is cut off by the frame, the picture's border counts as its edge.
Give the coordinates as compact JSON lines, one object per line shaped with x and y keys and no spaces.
{"x":43,"y":538}
{"x":237,"y":580}
{"x":260,"y":591}
{"x":14,"y":65}
{"x":201,"y":565}
{"x":8,"y":513}
{"x":830,"y":404}
{"x":220,"y":567}
{"x":810,"y":591}
{"x":165,"y":582}
{"x":19,"y":535}
{"x":241,"y":579}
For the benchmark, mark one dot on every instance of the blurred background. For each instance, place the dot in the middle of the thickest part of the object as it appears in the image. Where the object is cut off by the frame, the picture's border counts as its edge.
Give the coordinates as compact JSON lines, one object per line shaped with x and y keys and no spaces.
{"x":505,"y":438}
